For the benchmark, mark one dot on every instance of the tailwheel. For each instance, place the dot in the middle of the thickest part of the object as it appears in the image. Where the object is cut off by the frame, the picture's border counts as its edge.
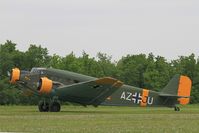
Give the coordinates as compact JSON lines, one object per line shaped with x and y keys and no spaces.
{"x":176,"y":108}
{"x":55,"y":106}
{"x":43,"y":106}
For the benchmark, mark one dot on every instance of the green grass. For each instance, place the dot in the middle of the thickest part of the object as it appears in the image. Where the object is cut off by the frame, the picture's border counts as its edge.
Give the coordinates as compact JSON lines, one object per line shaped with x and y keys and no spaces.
{"x":100,"y":120}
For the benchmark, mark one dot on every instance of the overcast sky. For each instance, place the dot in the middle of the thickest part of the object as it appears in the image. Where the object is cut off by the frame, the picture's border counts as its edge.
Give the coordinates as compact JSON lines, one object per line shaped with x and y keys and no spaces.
{"x":169,"y":28}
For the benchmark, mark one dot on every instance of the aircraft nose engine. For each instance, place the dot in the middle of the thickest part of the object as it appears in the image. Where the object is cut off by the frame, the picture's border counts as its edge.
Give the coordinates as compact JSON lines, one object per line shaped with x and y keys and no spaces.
{"x":15,"y":75}
{"x":45,"y":85}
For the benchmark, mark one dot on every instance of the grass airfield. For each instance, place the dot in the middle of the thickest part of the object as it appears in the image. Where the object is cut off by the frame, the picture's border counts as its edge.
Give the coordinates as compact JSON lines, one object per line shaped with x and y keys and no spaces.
{"x":77,"y":119}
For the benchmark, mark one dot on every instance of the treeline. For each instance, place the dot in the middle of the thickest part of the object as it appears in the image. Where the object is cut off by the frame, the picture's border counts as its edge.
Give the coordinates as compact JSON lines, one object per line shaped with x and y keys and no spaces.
{"x":145,"y":71}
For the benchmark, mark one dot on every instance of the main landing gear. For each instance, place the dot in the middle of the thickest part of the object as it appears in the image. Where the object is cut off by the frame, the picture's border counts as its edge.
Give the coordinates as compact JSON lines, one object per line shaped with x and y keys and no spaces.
{"x":176,"y":108}
{"x":52,"y":106}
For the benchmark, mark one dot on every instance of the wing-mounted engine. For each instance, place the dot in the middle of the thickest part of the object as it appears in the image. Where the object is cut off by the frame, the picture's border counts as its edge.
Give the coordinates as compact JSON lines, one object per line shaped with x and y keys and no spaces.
{"x":45,"y":85}
{"x":15,"y":75}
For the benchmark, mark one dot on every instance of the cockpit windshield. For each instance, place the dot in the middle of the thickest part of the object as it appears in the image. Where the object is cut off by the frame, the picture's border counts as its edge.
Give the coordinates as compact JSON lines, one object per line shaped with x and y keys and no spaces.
{"x":37,"y":70}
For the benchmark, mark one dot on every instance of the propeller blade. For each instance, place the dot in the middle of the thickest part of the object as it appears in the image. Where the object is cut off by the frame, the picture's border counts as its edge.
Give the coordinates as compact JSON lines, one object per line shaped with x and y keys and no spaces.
{"x":8,"y":73}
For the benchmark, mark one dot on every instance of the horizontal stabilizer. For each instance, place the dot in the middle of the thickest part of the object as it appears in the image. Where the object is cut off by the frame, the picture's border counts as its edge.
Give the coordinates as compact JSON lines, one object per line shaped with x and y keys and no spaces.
{"x":173,"y":96}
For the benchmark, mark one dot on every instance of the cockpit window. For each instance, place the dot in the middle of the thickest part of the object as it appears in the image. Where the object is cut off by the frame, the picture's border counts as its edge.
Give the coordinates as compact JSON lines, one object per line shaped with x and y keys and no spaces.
{"x":37,"y":70}
{"x":24,"y":72}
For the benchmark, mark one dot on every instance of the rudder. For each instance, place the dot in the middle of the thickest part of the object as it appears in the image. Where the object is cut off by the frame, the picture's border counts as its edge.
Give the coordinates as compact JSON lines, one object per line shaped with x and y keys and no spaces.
{"x":184,"y":89}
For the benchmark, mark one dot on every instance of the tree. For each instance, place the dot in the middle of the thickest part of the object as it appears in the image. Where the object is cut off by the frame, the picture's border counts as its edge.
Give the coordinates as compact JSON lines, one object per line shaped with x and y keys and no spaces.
{"x":107,"y":68}
{"x":132,"y":68}
{"x":36,"y":56}
{"x":145,"y":71}
{"x":158,"y":72}
{"x":9,"y":57}
{"x":56,"y":61}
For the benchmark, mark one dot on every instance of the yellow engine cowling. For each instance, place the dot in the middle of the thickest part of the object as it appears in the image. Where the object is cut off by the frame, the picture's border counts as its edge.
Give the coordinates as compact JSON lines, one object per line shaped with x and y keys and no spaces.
{"x":15,"y":75}
{"x":45,"y":85}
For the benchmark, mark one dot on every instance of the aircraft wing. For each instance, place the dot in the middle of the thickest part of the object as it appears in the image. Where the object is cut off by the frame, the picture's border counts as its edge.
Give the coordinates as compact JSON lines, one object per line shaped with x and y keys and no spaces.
{"x":90,"y":92}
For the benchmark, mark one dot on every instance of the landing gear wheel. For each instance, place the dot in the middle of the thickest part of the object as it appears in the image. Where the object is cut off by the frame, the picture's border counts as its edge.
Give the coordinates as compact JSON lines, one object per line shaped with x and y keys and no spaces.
{"x":176,"y":108}
{"x":55,"y":107}
{"x":43,"y":106}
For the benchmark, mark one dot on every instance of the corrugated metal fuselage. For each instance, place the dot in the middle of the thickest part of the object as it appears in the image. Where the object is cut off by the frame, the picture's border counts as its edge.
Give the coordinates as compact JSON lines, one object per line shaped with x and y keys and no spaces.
{"x":125,"y":96}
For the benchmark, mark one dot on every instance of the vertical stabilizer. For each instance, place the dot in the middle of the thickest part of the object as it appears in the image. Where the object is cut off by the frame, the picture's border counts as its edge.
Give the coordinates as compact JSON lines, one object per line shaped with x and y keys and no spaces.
{"x":179,"y":86}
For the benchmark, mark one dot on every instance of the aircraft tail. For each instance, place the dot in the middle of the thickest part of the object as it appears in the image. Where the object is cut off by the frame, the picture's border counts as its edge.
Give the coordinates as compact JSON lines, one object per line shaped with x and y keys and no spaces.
{"x":178,"y":87}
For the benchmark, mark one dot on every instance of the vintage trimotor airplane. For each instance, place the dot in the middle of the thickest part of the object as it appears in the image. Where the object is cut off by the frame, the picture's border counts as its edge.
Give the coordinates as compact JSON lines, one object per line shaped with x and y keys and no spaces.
{"x":55,"y":85}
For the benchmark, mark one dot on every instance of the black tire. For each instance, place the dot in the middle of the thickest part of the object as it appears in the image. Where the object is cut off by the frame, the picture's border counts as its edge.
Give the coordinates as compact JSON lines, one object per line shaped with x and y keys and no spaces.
{"x":176,"y":108}
{"x":43,"y":106}
{"x":55,"y":107}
